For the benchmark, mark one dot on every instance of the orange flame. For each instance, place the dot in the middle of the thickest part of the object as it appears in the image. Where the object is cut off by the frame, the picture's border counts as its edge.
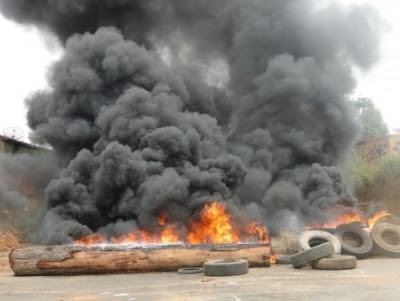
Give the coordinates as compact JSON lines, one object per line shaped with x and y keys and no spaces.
{"x":258,"y":230}
{"x":146,"y":237}
{"x":345,"y":218}
{"x":372,"y":220}
{"x":91,"y":239}
{"x":214,"y":226}
{"x":162,"y":219}
{"x":168,"y":235}
{"x":272,"y":258}
{"x":128,"y":238}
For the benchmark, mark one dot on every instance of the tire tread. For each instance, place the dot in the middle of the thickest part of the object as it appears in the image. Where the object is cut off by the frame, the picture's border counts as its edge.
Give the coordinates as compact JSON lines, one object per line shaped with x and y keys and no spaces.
{"x":307,"y":256}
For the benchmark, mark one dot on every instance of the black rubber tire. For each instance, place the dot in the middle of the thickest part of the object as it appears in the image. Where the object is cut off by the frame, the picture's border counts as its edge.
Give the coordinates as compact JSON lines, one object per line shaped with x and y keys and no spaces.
{"x":191,"y":270}
{"x":284,"y":259}
{"x":335,"y":262}
{"x":312,"y":238}
{"x":383,"y":243}
{"x":354,"y":240}
{"x":308,"y":256}
{"x":225,"y":267}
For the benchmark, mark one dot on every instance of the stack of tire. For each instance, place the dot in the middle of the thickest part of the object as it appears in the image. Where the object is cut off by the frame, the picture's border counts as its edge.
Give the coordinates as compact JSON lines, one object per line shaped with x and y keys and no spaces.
{"x":382,"y":239}
{"x":322,"y":250}
{"x":347,"y":243}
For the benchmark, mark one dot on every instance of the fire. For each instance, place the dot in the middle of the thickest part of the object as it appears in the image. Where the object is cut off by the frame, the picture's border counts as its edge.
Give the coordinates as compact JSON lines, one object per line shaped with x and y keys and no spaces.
{"x":258,"y":230}
{"x":91,"y":239}
{"x":272,"y":258}
{"x":145,"y":237}
{"x":168,"y":235}
{"x":372,"y":220}
{"x":162,"y":219}
{"x":214,"y":226}
{"x":345,"y":218}
{"x":128,"y":238}
{"x":351,"y":217}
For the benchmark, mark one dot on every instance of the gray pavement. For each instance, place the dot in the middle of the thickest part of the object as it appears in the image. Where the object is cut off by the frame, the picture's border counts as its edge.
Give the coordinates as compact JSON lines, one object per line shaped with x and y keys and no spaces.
{"x":373,"y":279}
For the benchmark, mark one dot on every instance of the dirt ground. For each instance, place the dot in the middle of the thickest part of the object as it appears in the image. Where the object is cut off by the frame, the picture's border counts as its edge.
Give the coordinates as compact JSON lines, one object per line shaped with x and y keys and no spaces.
{"x":9,"y":239}
{"x":4,"y":263}
{"x":373,"y":279}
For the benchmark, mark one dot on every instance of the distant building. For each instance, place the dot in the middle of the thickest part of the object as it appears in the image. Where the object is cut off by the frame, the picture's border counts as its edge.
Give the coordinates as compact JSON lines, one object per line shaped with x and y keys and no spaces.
{"x":13,"y":146}
{"x":374,"y":148}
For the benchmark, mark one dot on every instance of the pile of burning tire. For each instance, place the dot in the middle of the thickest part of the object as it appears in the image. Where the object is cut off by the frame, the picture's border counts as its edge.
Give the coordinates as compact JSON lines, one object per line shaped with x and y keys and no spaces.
{"x":340,"y":248}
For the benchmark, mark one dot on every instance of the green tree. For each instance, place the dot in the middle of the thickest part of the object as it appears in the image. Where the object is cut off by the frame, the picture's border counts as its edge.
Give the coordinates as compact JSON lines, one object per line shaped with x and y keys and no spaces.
{"x":371,"y":118}
{"x":378,"y":180}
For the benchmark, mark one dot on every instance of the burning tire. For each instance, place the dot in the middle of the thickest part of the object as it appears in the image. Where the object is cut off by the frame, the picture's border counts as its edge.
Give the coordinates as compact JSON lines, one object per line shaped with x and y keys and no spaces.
{"x":386,"y":239}
{"x":192,"y":270}
{"x":335,"y":262}
{"x":312,"y":238}
{"x":226,"y":267}
{"x":354,"y":240}
{"x":308,"y":256}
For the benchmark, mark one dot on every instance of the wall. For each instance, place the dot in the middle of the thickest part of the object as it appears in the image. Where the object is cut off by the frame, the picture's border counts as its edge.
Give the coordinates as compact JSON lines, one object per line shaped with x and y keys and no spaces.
{"x":372,"y":149}
{"x":10,"y":145}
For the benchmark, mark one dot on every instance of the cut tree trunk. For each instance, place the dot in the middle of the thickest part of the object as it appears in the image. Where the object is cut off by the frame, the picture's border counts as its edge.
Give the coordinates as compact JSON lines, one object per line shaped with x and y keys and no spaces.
{"x":99,"y":259}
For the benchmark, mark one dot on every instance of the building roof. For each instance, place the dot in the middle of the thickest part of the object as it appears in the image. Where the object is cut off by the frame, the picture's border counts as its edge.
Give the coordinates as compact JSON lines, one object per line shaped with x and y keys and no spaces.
{"x":15,"y":141}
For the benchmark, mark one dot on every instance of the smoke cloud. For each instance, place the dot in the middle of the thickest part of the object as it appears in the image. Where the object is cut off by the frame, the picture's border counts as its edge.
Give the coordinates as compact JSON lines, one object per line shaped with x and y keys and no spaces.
{"x":23,"y":177}
{"x":163,"y":106}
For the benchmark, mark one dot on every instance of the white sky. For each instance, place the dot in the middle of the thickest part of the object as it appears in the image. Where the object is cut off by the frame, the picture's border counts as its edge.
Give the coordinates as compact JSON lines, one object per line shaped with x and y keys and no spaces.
{"x":25,"y":58}
{"x":382,"y":83}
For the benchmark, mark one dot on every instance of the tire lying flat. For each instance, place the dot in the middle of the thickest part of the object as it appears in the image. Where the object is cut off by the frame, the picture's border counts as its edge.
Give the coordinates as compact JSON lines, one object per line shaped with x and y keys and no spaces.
{"x":386,"y":239}
{"x":225,"y":267}
{"x":354,"y":240}
{"x":308,"y":256}
{"x":312,"y":238}
{"x":192,"y":270}
{"x":335,"y":262}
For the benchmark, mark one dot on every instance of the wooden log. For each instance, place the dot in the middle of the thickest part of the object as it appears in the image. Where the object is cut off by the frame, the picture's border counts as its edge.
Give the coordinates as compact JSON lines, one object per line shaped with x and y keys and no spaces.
{"x":78,"y":259}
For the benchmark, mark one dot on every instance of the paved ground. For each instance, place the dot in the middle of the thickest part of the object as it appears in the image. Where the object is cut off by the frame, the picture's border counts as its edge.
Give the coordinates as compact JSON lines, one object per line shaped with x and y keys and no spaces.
{"x":374,"y":279}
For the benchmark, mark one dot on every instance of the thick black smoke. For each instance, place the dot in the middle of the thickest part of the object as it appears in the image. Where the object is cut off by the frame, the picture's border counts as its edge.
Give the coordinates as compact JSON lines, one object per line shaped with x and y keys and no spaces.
{"x":163,"y":106}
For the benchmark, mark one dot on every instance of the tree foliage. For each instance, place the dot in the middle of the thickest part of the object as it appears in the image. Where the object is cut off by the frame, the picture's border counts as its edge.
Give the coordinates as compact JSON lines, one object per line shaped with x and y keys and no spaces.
{"x":378,"y":180}
{"x":371,"y":119}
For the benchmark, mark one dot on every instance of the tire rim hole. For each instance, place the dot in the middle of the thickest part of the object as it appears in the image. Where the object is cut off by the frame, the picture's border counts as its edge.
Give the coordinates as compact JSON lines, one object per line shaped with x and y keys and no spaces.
{"x":352,"y":239}
{"x":391,"y":238}
{"x":316,"y":242}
